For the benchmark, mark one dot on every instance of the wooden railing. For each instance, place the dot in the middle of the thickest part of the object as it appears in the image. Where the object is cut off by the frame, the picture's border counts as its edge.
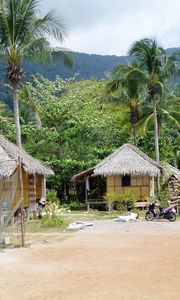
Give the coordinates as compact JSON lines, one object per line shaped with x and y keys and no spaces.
{"x":94,"y":202}
{"x":90,"y":202}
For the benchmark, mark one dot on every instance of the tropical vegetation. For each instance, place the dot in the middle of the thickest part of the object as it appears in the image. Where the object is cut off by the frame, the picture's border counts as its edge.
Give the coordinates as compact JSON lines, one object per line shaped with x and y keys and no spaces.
{"x":23,"y":36}
{"x":72,"y":124}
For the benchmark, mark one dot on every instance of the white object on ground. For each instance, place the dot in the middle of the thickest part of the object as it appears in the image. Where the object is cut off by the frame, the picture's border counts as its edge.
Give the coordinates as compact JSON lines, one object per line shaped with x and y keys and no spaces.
{"x":7,"y":241}
{"x":79,"y":225}
{"x":131,"y":217}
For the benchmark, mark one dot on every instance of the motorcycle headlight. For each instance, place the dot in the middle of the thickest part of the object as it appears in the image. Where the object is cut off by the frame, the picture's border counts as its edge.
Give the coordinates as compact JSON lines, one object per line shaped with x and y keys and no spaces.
{"x":173,"y":210}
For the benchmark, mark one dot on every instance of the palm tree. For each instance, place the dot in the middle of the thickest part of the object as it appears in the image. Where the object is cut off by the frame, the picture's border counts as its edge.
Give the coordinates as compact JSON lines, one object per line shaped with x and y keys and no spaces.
{"x":167,"y":110}
{"x":157,"y":69}
{"x":126,"y":86}
{"x":29,"y":108}
{"x":23,"y":35}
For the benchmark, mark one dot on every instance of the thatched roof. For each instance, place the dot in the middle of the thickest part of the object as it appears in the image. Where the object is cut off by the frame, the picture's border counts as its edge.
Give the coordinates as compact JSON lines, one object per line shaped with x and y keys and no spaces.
{"x":9,"y":154}
{"x":83,"y":174}
{"x":128,"y":159}
{"x":171,"y":171}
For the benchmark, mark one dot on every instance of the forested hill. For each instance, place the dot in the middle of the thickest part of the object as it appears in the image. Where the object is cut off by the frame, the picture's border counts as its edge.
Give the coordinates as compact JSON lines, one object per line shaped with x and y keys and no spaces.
{"x":92,"y":65}
{"x":86,"y":65}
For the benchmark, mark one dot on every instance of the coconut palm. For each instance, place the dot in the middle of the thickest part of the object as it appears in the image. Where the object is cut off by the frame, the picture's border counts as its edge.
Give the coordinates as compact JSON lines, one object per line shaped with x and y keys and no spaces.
{"x":126,"y":86}
{"x":167,"y":110}
{"x":157,"y":69}
{"x":24,"y":35}
{"x":29,"y":109}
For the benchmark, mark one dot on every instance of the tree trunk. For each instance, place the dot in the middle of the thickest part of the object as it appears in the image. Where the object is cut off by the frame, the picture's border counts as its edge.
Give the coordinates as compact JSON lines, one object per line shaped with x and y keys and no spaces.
{"x":134,"y":117}
{"x":156,"y":137}
{"x":16,"y":116}
{"x":134,"y":134}
{"x":38,"y":120}
{"x":22,"y":202}
{"x":18,"y":143}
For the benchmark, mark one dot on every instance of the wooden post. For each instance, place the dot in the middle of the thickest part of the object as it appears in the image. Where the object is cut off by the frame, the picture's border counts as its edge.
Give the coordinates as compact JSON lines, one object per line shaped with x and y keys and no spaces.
{"x":88,"y":206}
{"x":86,"y":193}
{"x":22,"y":203}
{"x":43,"y":187}
{"x":158,"y":184}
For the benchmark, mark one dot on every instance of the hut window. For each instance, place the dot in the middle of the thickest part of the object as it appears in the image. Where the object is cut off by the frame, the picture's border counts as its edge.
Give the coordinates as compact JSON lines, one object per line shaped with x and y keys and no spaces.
{"x":126,"y":180}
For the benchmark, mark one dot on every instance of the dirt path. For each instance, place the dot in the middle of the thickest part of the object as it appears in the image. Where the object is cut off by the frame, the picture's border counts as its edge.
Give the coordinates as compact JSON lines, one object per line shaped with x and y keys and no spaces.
{"x":107,"y":261}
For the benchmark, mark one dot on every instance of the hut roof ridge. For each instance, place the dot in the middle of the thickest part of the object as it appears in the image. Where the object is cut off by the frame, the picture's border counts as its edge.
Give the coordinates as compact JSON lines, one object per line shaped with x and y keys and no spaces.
{"x":10,"y":152}
{"x":171,"y":170}
{"x":120,"y":162}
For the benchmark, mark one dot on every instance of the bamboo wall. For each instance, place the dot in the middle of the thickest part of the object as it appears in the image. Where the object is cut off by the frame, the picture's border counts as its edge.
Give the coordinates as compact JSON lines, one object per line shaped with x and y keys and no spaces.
{"x":32,"y":190}
{"x":39,"y":179}
{"x":140,"y":185}
{"x":25,"y":190}
{"x":6,"y":193}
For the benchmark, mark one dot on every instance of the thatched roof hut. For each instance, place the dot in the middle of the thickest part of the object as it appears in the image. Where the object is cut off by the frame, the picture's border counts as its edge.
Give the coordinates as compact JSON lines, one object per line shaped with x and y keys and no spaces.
{"x":9,"y":154}
{"x":126,"y":170}
{"x":128,"y":159}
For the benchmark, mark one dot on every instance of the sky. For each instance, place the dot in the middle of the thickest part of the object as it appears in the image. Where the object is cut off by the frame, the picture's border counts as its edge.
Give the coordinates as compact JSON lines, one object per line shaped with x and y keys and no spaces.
{"x":109,"y":27}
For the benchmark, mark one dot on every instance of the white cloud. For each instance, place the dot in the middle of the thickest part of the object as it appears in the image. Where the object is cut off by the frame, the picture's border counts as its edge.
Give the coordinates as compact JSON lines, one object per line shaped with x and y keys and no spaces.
{"x":111,"y":26}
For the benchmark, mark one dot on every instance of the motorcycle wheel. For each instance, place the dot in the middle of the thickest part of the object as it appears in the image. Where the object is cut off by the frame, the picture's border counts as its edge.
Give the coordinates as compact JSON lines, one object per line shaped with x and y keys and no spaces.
{"x":149,"y":216}
{"x":172,"y":217}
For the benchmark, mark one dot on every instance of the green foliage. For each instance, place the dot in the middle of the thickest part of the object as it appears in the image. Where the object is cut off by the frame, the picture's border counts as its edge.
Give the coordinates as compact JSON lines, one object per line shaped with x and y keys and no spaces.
{"x":166,"y":145}
{"x":78,"y":127}
{"x":74,"y":205}
{"x":51,"y":196}
{"x":51,"y":209}
{"x":24,"y":34}
{"x":111,"y":197}
{"x":164,"y":197}
{"x":49,"y":222}
{"x":126,"y":200}
{"x":120,"y":200}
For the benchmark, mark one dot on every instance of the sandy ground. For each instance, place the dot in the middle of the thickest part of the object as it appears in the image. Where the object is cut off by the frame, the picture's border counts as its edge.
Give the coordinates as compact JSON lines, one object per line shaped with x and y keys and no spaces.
{"x":138,"y":260}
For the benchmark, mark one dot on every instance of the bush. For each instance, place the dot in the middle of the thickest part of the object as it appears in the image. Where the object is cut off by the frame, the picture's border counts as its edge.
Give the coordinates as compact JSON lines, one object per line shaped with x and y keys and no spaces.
{"x":126,"y":201}
{"x":122,"y":201}
{"x":110,"y":198}
{"x":164,"y":197}
{"x":51,"y":209}
{"x":53,"y":221}
{"x":51,"y":196}
{"x":74,"y":205}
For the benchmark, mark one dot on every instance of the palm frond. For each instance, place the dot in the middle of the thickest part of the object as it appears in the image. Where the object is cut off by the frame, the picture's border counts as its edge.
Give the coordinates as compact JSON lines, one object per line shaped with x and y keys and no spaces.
{"x":25,"y":20}
{"x":5,"y":37}
{"x":23,"y":34}
{"x":175,"y":114}
{"x":112,"y":85}
{"x":170,"y":117}
{"x":51,"y":24}
{"x":120,"y":100}
{"x":63,"y":56}
{"x":144,"y":124}
{"x":159,"y":88}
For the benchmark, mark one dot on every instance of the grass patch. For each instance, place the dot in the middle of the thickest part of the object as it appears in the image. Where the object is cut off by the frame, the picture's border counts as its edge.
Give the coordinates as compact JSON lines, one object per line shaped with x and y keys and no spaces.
{"x":54,"y":230}
{"x":54,"y":221}
{"x":2,"y":247}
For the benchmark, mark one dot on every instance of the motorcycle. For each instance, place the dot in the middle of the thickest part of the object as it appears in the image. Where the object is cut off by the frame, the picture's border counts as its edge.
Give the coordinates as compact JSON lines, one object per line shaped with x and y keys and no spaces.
{"x":168,"y":213}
